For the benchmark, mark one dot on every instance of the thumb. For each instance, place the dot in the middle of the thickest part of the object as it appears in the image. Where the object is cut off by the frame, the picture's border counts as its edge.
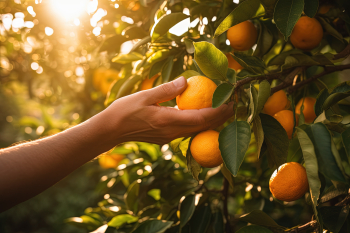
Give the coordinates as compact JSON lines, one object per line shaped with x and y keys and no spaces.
{"x":167,"y":91}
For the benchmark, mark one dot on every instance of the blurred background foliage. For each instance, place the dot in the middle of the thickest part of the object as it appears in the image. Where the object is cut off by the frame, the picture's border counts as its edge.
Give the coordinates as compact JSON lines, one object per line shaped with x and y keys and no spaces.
{"x":56,"y":72}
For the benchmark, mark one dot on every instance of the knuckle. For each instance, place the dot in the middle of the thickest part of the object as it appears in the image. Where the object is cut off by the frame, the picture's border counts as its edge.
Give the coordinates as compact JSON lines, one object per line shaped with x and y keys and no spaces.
{"x":166,"y":88}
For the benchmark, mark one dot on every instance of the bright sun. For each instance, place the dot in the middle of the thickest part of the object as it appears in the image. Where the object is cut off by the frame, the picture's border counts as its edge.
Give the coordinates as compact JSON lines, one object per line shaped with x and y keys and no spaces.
{"x":68,"y":9}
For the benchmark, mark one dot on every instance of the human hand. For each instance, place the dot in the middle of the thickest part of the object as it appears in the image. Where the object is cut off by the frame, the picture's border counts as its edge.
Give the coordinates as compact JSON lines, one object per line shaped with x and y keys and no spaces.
{"x":137,"y":117}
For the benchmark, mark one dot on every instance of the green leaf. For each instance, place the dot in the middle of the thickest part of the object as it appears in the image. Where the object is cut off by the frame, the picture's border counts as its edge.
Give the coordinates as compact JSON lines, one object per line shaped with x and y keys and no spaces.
{"x":227,"y":174}
{"x":155,"y":193}
{"x":201,"y":219}
{"x":253,"y":103}
{"x":218,"y":225}
{"x":311,"y":166}
{"x":188,"y":74}
{"x":294,"y":60}
{"x":265,"y":41}
{"x":346,"y":141}
{"x":222,"y":94}
{"x":187,"y":208}
{"x":197,"y":68}
{"x":167,"y":69}
{"x":321,"y":98}
{"x":244,"y":11}
{"x":192,"y":164}
{"x":249,"y":62}
{"x":263,"y":95}
{"x":276,"y":139}
{"x":211,"y":60}
{"x":122,"y":219}
{"x":254,"y":228}
{"x":286,"y":15}
{"x":113,"y":43}
{"x":330,"y":29}
{"x":259,"y":217}
{"x":294,"y":151}
{"x":131,"y":196}
{"x":311,"y":7}
{"x":156,"y":68}
{"x":127,"y":86}
{"x":322,"y":143}
{"x":153,"y":226}
{"x":189,"y":45}
{"x":134,"y":32}
{"x":233,"y":143}
{"x":258,"y":133}
{"x":143,"y":41}
{"x":231,"y":75}
{"x":334,"y":217}
{"x":333,"y":192}
{"x":165,"y":23}
{"x":122,"y":58}
{"x":334,"y":99}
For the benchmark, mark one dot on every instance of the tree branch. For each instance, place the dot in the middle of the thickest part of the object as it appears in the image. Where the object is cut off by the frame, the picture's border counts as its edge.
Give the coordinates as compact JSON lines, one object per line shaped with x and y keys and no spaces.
{"x":343,"y":53}
{"x":288,"y":80}
{"x":327,"y":70}
{"x":308,"y":225}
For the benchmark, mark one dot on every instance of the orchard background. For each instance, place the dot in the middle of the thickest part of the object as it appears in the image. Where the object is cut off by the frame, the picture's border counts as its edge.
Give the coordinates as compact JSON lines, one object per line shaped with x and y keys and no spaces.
{"x":64,"y":61}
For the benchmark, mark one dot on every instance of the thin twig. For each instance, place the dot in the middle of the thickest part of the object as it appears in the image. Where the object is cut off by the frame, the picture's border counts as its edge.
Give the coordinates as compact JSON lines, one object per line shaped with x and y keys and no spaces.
{"x":306,"y":226}
{"x":327,"y":70}
{"x":288,"y":81}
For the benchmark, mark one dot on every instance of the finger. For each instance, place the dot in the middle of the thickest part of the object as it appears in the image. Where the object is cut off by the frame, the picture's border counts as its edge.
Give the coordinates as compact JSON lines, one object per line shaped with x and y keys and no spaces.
{"x":198,"y":116}
{"x":165,"y":91}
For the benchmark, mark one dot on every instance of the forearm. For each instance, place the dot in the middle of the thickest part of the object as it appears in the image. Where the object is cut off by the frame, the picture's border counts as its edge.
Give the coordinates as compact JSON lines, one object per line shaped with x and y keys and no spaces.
{"x":30,"y":168}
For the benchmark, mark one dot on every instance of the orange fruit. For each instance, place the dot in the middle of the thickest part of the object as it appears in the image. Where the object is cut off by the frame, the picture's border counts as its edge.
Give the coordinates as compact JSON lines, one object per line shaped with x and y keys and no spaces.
{"x":110,"y":161}
{"x":98,"y":76}
{"x":109,"y":76}
{"x":148,"y":82}
{"x":198,"y":94}
{"x":275,"y":103}
{"x":324,"y":9}
{"x":205,"y":149}
{"x":232,"y":63}
{"x":308,"y":111}
{"x":242,"y":36}
{"x":286,"y":119}
{"x":289,"y":182}
{"x":307,"y":33}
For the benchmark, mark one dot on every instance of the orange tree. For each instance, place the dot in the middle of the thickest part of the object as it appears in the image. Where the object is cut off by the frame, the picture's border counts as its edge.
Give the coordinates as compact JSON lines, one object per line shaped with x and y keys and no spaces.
{"x":289,"y":54}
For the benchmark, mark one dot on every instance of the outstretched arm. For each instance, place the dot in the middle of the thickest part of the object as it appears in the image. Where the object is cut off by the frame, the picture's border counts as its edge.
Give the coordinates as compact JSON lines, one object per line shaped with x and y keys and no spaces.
{"x":30,"y":168}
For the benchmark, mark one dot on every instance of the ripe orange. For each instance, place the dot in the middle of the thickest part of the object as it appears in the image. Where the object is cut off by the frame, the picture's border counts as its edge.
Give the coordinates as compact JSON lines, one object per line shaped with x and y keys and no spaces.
{"x":286,"y":119}
{"x":289,"y":182}
{"x":148,"y":82}
{"x":103,"y":78}
{"x":307,"y":33}
{"x":232,"y":63}
{"x":308,"y":111}
{"x":198,"y":94}
{"x":275,"y":103}
{"x":242,"y":36}
{"x":109,"y":76}
{"x":110,"y":161}
{"x":205,"y":149}
{"x":324,"y":9}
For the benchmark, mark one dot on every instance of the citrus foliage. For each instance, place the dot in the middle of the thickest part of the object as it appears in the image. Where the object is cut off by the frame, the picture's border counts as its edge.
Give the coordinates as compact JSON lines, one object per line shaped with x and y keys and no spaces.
{"x":289,"y":107}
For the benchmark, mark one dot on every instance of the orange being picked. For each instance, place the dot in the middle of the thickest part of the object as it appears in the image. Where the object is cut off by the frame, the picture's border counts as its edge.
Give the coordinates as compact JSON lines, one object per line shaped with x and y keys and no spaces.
{"x":289,"y":182}
{"x":242,"y":36}
{"x":275,"y":103}
{"x":148,"y":82}
{"x":232,"y":63}
{"x":205,"y":149}
{"x":110,"y":161}
{"x":198,"y":94}
{"x":286,"y":119}
{"x":308,"y":111}
{"x":307,"y":33}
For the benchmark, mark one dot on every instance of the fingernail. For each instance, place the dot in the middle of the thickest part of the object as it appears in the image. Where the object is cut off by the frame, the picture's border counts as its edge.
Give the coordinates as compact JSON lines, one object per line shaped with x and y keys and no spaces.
{"x":179,"y":82}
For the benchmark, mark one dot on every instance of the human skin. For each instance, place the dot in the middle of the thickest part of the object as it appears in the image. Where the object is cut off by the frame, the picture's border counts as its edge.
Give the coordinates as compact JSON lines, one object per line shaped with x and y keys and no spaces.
{"x":30,"y":168}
